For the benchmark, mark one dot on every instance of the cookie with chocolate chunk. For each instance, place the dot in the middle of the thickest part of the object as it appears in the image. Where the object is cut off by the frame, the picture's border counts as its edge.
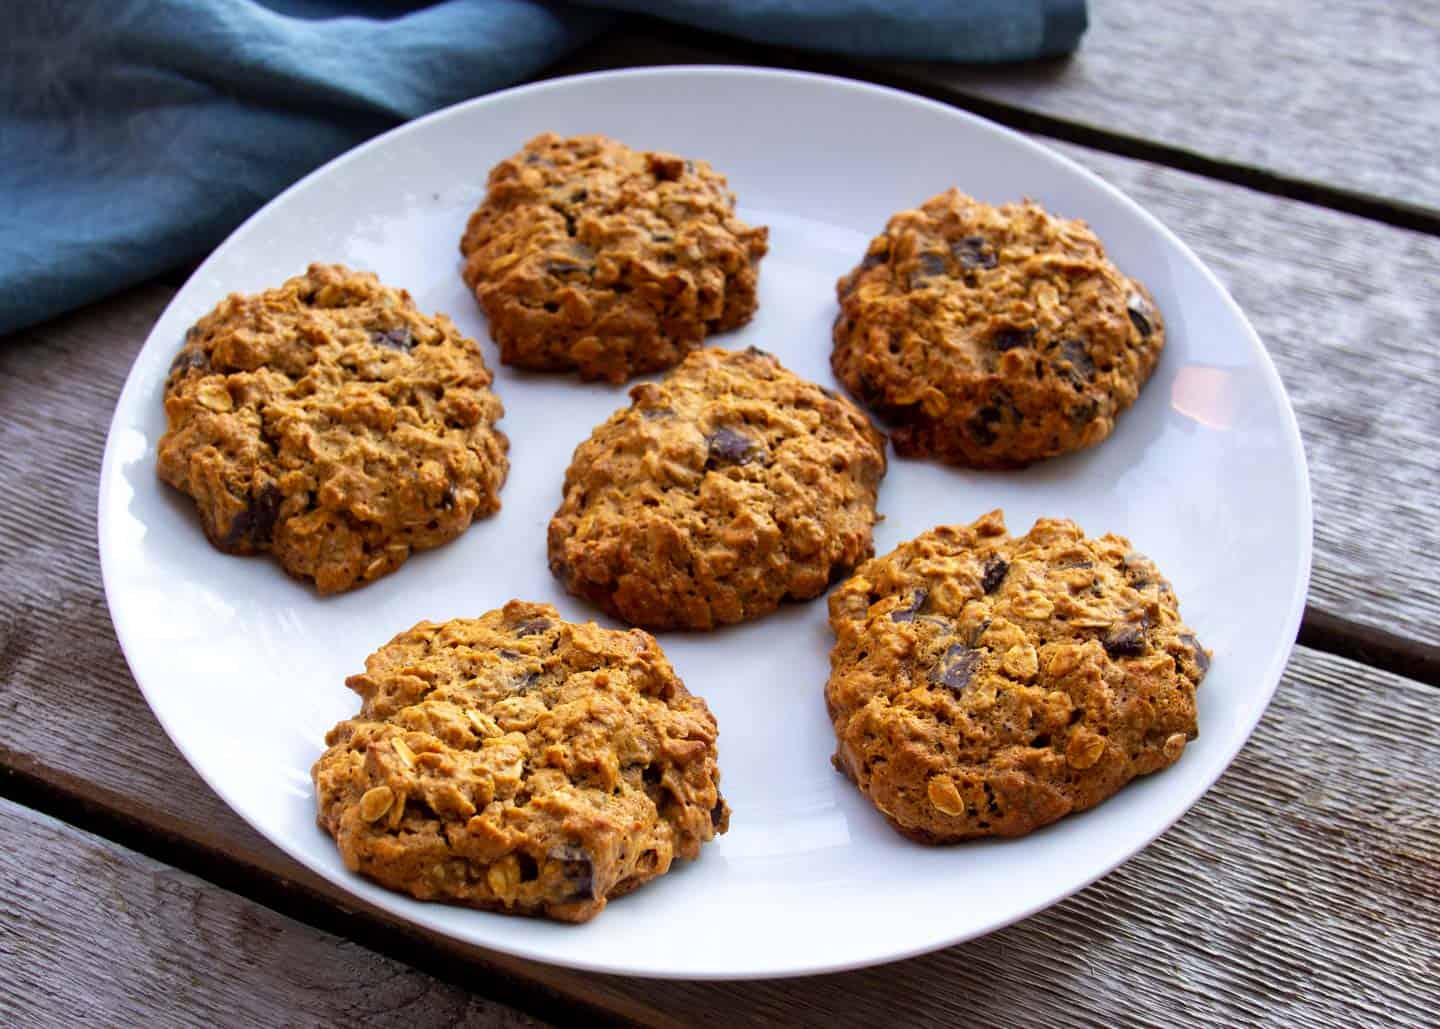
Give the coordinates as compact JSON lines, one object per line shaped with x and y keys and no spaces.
{"x":589,"y":256}
{"x":725,"y":489}
{"x":986,"y":685}
{"x":332,"y":424}
{"x":993,"y":337}
{"x":520,"y":763}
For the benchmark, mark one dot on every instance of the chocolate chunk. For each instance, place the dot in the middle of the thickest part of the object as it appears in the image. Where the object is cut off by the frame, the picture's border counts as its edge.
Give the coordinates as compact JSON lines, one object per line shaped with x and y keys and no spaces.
{"x":1138,"y":570}
{"x":979,"y":429}
{"x":1009,"y":338}
{"x":994,"y":575}
{"x":256,"y":524}
{"x":928,"y":266}
{"x":190,"y":360}
{"x":1082,"y":413}
{"x":1141,"y":314}
{"x":394,"y":339}
{"x":956,"y":667}
{"x":1083,"y":368}
{"x":533,"y":627}
{"x":908,"y":613}
{"x":665,"y":167}
{"x":873,"y":260}
{"x":1125,"y":639}
{"x":1202,"y":659}
{"x":974,"y":252}
{"x":726,"y":446}
{"x":717,"y":814}
{"x":447,"y":499}
{"x":579,"y":196}
{"x":577,"y":869}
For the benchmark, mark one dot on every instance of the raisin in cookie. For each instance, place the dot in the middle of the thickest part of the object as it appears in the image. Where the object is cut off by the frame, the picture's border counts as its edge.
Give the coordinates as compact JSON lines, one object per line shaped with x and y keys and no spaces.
{"x":520,"y":763}
{"x":993,"y":336}
{"x":590,"y":256}
{"x":723,"y":490}
{"x":331,"y":423}
{"x":986,"y":685}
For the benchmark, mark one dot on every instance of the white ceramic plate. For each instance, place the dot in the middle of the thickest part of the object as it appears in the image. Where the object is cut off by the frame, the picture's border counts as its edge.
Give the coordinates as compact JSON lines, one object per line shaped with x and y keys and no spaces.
{"x":245,"y":667}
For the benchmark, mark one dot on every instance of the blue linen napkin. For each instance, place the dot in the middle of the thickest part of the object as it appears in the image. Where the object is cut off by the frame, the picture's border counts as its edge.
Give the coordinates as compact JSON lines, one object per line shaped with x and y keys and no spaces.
{"x":135,"y":134}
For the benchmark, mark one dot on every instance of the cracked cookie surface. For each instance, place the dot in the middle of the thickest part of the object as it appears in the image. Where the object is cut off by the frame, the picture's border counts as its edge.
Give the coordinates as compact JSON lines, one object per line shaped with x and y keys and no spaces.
{"x":520,"y":763}
{"x":331,"y":423}
{"x":993,"y":337}
{"x":588,"y":256}
{"x":987,"y":685}
{"x":725,"y":489}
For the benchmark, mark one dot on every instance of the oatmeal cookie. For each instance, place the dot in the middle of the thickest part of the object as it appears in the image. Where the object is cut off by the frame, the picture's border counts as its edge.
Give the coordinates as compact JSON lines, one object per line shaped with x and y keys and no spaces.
{"x":589,"y":256}
{"x":520,"y":763}
{"x":723,"y":490}
{"x":331,"y":423}
{"x":993,"y":336}
{"x":986,"y":685}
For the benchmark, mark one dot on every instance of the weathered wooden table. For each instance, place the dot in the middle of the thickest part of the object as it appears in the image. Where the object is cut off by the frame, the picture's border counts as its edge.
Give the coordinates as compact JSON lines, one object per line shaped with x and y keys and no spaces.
{"x":1295,"y":147}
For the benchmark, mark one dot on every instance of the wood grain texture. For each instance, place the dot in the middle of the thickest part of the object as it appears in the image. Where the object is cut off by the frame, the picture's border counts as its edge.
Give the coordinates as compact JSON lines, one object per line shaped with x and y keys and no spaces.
{"x":1304,"y":890}
{"x":1341,"y":93}
{"x":95,"y":934}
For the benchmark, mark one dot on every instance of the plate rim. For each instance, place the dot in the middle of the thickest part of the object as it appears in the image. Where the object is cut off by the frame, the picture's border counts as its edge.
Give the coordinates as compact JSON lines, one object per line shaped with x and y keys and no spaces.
{"x":395,"y":904}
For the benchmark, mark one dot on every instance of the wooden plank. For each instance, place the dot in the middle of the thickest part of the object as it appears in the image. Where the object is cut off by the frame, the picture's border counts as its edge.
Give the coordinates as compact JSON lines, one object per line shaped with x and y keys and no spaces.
{"x":96,"y":934}
{"x":1302,"y":889}
{"x":1341,"y":93}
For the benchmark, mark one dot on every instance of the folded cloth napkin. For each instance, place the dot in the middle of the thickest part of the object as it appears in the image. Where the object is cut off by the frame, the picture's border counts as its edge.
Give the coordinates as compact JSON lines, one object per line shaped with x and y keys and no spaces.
{"x":135,"y":134}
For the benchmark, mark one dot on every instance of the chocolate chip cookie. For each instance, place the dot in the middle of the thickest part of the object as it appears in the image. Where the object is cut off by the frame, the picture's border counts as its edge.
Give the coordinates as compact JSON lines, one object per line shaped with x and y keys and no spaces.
{"x":520,"y":763}
{"x":986,"y":685}
{"x":589,"y":256}
{"x":993,"y":337}
{"x":723,"y":490}
{"x":334,"y":425}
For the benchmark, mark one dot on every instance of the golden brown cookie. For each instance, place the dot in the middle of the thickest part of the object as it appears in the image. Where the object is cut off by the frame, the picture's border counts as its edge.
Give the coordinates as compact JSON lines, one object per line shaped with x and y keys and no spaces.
{"x":590,"y":256}
{"x":986,"y":685}
{"x":331,"y":423}
{"x":993,"y":336}
{"x":724,"y":489}
{"x":520,"y":763}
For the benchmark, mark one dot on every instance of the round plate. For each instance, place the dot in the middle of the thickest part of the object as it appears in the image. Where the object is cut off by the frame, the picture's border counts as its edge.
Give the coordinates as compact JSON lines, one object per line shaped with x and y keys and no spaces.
{"x":245,"y":667}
